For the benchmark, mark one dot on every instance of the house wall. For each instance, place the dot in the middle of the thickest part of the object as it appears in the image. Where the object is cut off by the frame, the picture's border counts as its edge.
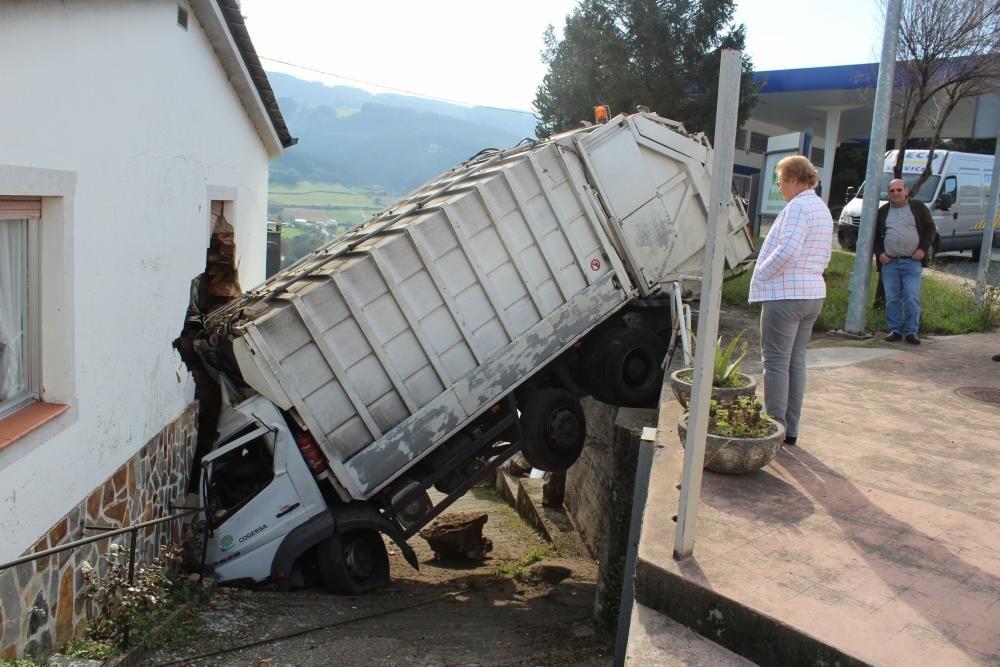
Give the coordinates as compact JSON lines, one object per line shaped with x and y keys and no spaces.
{"x":127,"y":126}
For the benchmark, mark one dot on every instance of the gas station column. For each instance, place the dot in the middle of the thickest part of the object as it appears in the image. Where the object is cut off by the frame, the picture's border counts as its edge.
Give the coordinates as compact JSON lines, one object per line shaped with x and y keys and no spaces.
{"x":830,"y":150}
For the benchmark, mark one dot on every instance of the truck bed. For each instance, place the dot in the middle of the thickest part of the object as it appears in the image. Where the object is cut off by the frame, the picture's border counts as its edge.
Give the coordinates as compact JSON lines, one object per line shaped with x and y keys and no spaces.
{"x":397,"y":335}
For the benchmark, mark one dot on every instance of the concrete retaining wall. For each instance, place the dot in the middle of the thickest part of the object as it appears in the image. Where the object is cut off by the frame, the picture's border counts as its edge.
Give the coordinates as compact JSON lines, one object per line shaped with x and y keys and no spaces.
{"x":599,"y":490}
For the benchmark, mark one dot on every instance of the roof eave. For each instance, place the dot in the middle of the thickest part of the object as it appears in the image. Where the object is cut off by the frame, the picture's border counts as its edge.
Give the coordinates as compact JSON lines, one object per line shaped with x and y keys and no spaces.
{"x":223,"y":24}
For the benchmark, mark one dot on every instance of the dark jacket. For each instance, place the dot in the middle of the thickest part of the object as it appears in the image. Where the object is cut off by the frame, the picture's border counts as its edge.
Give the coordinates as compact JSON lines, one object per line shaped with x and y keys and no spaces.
{"x":926,"y":229}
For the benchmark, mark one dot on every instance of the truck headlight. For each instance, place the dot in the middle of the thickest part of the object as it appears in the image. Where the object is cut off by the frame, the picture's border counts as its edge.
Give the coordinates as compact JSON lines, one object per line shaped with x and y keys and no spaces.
{"x":844,"y":218}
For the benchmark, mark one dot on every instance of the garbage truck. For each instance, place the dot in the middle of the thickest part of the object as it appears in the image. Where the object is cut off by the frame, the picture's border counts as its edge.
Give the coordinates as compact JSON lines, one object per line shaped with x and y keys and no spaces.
{"x":457,"y":327}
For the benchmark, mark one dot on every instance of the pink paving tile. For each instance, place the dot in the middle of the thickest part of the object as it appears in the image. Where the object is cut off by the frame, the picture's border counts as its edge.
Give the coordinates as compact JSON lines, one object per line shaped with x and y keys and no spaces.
{"x":862,"y":584}
{"x":844,"y":603}
{"x":984,"y":640}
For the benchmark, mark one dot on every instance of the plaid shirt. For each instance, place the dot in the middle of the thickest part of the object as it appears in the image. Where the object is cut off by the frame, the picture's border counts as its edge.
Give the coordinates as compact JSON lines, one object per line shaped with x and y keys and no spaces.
{"x":797,"y":249}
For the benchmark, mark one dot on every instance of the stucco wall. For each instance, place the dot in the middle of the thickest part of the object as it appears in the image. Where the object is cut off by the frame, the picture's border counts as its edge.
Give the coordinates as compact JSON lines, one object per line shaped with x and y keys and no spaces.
{"x":141,"y":115}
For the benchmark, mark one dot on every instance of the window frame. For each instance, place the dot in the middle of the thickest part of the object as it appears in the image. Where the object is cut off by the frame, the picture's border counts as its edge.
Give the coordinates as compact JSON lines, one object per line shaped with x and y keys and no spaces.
{"x":55,"y":409}
{"x":32,"y":335}
{"x":756,"y":138}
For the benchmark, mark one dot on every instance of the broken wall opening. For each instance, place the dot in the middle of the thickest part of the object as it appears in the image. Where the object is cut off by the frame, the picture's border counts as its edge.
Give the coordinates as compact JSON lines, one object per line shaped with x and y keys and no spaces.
{"x":214,"y":287}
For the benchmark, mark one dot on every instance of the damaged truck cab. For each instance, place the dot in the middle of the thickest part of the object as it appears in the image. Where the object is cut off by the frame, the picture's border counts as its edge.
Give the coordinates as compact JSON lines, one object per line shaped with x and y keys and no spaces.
{"x":423,"y":349}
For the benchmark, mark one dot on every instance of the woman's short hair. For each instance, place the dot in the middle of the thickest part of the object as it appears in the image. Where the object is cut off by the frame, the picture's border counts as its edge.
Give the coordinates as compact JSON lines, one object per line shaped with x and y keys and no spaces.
{"x":799,"y":169}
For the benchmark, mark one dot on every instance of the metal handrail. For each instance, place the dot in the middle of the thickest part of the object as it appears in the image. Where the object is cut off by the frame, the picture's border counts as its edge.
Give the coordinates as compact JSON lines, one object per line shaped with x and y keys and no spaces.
{"x":97,"y":538}
{"x":108,"y":534}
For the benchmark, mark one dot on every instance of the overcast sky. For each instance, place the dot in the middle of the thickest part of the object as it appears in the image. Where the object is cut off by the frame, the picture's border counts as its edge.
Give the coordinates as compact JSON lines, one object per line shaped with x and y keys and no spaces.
{"x":486,"y":52}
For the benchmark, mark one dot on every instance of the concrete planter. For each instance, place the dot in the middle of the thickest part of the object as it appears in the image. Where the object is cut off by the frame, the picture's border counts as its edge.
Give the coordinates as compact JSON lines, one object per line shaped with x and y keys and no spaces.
{"x":737,"y":456}
{"x":724,"y":395}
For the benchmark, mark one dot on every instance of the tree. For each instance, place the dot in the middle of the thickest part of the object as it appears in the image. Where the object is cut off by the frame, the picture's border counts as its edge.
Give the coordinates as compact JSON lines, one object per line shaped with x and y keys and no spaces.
{"x":663,"y":54}
{"x":949,"y":50}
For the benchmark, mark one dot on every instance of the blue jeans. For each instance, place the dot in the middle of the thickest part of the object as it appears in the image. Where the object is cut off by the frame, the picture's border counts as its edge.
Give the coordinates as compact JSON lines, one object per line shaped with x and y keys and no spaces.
{"x":901,"y":280}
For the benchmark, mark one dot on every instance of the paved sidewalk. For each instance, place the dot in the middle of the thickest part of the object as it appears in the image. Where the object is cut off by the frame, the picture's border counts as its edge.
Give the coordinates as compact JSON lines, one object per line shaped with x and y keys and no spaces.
{"x":877,"y":540}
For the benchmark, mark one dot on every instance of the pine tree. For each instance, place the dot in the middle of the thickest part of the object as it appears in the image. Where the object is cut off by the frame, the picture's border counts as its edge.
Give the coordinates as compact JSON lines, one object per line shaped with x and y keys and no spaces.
{"x":663,"y":54}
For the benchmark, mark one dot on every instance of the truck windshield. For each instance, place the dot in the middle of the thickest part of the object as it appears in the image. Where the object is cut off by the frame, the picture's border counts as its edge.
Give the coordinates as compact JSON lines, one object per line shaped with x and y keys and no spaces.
{"x":235,"y":477}
{"x":924,"y":194}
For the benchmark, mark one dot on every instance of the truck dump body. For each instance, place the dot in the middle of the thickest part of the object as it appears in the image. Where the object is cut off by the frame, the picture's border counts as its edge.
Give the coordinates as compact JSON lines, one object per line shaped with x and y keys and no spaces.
{"x":394,"y":337}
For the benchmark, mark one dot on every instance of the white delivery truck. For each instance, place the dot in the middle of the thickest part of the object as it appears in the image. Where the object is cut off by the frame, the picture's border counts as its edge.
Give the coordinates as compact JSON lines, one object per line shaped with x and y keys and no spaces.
{"x":957,"y":193}
{"x":450,"y":331}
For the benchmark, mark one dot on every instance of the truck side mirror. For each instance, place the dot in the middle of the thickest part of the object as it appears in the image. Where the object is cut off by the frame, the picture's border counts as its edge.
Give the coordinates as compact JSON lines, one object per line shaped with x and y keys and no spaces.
{"x":849,"y":195}
{"x":945,"y":201}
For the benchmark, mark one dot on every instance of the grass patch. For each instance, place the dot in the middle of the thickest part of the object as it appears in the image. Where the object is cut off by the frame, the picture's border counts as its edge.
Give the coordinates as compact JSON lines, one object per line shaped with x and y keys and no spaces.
{"x":91,"y":649}
{"x":946,"y":308}
{"x":328,"y":196}
{"x":516,"y":569}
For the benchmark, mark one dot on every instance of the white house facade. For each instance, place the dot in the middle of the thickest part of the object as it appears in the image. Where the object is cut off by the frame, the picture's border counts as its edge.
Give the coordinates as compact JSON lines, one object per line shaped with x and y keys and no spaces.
{"x":124,"y":124}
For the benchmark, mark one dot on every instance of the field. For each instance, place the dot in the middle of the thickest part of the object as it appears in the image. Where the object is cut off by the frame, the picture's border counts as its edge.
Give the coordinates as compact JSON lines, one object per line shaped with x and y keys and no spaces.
{"x":334,"y":200}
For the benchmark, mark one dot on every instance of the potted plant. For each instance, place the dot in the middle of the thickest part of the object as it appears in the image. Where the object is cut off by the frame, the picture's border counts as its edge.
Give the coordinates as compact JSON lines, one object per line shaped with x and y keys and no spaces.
{"x":741,"y":438}
{"x":728,"y":382}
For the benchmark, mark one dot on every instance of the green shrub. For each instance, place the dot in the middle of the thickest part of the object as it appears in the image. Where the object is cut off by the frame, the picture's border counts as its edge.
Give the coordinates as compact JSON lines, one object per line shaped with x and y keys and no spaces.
{"x":743,"y":419}
{"x":726,"y":371}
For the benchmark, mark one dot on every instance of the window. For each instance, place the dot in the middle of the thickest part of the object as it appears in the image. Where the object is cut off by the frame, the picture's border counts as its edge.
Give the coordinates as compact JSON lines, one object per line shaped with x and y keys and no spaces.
{"x":741,"y":185}
{"x":758,"y":142}
{"x":818,"y":156}
{"x":741,"y":139}
{"x":19,"y":334}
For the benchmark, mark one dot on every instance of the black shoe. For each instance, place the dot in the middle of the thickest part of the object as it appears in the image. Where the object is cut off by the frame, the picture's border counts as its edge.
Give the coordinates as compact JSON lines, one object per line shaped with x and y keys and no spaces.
{"x":912,"y":339}
{"x":893,"y":337}
{"x":790,"y":439}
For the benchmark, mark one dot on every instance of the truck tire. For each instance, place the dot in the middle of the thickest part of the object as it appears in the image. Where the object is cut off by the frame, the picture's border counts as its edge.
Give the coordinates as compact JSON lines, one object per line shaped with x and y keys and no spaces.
{"x":629,"y":367}
{"x":353,"y":563}
{"x":554,"y":429}
{"x":592,"y":364}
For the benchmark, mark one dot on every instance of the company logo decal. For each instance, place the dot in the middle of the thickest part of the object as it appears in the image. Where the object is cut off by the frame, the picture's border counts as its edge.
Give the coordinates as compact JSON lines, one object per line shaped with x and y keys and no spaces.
{"x":253,"y":532}
{"x":227,"y":542}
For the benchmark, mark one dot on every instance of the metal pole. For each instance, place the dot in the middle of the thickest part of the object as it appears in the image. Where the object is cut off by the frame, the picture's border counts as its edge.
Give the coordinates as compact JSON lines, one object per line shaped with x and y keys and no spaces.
{"x":989,"y":227}
{"x":711,"y":297}
{"x":131,"y":580}
{"x":857,"y":305}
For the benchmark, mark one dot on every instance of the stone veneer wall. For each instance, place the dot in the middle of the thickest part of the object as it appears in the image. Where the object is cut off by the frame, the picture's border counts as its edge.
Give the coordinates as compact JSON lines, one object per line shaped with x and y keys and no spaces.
{"x":40,"y":605}
{"x":599,"y":491}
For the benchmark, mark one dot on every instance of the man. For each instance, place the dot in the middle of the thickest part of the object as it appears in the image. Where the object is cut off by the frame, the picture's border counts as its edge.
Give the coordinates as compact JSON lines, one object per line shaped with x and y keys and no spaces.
{"x":904,"y":231}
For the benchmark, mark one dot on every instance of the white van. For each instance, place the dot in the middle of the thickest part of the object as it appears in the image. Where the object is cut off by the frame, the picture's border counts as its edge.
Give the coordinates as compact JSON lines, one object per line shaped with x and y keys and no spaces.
{"x":957,"y":193}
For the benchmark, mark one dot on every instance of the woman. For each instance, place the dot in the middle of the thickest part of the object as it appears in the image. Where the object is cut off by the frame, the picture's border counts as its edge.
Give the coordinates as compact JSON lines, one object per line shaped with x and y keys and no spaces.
{"x":788,"y":283}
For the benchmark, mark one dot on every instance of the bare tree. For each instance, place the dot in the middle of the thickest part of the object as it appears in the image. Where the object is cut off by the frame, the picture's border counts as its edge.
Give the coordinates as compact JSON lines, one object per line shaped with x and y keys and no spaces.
{"x":949,"y":50}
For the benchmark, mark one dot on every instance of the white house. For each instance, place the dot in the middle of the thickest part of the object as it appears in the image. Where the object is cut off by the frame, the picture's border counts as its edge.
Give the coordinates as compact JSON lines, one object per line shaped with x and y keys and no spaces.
{"x":124,"y":124}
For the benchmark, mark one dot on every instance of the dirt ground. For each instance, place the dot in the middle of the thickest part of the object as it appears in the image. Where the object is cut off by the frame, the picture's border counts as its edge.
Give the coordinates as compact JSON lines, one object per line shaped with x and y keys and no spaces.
{"x":448,"y":613}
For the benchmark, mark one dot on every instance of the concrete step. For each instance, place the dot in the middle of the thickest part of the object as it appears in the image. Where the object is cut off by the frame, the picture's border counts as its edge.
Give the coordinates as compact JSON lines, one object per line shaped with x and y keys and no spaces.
{"x":657,"y":640}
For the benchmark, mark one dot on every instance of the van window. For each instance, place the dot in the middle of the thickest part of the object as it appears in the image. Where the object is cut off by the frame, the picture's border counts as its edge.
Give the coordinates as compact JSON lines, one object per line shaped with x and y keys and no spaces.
{"x":969,"y":188}
{"x":951,"y":188}
{"x":924,"y":194}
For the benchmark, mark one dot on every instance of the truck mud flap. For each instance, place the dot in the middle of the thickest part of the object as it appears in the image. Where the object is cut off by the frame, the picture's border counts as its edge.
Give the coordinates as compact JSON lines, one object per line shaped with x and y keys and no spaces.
{"x":353,"y":516}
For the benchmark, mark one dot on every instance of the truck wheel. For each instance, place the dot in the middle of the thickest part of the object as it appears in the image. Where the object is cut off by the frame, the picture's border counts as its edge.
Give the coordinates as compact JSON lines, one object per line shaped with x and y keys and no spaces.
{"x":630,"y":367}
{"x":554,"y":429}
{"x":592,"y":361}
{"x":353,"y":563}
